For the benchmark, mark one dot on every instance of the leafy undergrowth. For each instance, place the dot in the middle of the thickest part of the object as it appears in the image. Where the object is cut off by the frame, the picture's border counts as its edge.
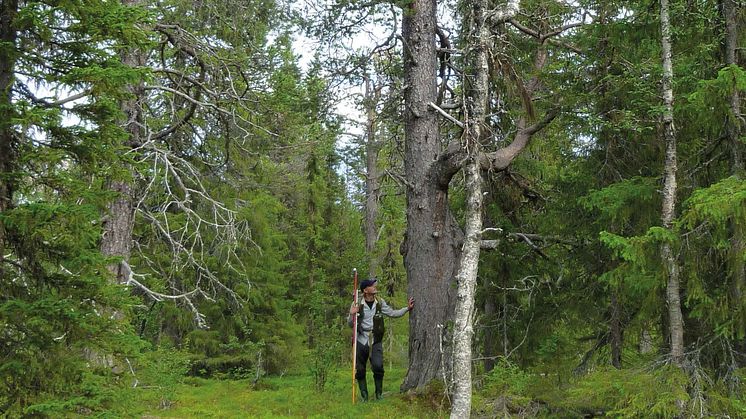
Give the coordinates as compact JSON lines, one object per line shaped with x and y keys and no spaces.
{"x":275,"y":397}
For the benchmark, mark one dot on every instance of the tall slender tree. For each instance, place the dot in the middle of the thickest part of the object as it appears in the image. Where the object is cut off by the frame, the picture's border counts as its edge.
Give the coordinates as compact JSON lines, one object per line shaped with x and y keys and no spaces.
{"x":733,"y":16}
{"x":475,"y":98}
{"x":120,"y":215}
{"x":668,"y":213}
{"x":371,"y":101}
{"x":8,"y":140}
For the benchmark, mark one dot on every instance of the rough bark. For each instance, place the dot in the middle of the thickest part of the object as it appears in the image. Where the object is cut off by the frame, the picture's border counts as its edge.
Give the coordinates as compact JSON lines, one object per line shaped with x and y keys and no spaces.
{"x":670,"y":262}
{"x":372,"y":189}
{"x":433,"y":241}
{"x":432,"y":236}
{"x":8,"y":140}
{"x":117,"y":236}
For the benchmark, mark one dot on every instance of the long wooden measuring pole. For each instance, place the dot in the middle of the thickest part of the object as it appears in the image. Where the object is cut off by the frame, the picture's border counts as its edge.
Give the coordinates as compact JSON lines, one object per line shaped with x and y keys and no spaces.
{"x":354,"y":333}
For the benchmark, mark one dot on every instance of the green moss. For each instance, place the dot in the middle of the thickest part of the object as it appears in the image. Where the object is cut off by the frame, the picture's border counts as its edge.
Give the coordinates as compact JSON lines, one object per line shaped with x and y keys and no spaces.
{"x":277,"y":397}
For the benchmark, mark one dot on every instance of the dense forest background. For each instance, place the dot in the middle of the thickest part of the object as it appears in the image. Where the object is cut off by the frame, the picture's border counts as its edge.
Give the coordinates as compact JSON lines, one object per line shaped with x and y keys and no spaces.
{"x":185,"y":189}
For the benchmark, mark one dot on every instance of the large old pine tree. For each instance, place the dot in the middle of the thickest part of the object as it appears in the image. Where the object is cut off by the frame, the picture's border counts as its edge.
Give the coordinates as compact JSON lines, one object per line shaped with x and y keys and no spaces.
{"x":434,"y":242}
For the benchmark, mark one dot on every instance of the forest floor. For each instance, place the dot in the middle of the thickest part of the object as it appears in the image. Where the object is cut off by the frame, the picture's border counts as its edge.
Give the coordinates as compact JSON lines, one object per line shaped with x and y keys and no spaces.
{"x":278,"y":397}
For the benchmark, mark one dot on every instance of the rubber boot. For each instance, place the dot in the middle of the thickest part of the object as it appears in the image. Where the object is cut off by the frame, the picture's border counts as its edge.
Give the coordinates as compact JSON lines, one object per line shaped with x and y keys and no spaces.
{"x":363,"y":389}
{"x":379,"y":387}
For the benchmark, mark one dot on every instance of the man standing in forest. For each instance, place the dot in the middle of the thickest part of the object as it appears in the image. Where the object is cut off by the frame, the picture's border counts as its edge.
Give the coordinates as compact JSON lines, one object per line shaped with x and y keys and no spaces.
{"x":370,"y":334}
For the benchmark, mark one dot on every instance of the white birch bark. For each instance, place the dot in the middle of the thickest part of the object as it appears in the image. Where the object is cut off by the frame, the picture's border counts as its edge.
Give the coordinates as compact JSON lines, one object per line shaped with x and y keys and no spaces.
{"x":466,"y":277}
{"x":673,"y":299}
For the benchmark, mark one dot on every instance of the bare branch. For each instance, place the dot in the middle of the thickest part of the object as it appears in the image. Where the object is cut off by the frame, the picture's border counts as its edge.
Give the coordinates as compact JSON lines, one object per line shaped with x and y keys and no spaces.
{"x":450,"y":105}
{"x":525,"y":335}
{"x":157,"y":296}
{"x":446,"y":115}
{"x":489,"y":244}
{"x":542,"y":37}
{"x":399,"y":178}
{"x":528,"y":238}
{"x":178,"y":187}
{"x":61,"y":102}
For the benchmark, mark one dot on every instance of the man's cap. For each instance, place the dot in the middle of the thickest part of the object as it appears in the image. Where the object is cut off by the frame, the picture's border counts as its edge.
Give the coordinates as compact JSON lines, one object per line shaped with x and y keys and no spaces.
{"x":367,"y":283}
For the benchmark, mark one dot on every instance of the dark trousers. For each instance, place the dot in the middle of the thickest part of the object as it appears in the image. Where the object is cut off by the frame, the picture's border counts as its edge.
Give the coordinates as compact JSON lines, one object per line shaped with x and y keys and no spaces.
{"x":376,"y":360}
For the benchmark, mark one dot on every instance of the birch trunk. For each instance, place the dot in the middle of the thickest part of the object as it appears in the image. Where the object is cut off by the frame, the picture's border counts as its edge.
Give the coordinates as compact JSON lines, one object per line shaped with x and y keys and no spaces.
{"x":466,"y":278}
{"x":673,"y":299}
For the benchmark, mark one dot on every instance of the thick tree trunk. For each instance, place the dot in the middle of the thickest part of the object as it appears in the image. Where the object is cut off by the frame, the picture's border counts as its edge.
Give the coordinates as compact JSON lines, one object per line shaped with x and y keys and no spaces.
{"x":432,"y":237}
{"x":117,"y":237}
{"x":372,"y":191}
{"x":432,"y":246}
{"x":120,"y":217}
{"x":673,"y":299}
{"x":8,"y":139}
